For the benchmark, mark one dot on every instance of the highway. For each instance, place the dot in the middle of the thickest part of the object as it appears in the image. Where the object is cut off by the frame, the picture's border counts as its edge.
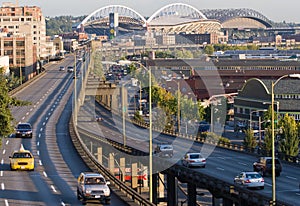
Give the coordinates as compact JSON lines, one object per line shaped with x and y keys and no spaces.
{"x":221,"y":163}
{"x":57,"y":164}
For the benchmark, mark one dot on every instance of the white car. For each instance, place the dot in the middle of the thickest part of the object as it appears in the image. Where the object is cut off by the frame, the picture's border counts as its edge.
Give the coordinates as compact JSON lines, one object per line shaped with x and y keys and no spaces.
{"x":92,"y":186}
{"x":70,"y":69}
{"x":250,"y":179}
{"x":193,"y":160}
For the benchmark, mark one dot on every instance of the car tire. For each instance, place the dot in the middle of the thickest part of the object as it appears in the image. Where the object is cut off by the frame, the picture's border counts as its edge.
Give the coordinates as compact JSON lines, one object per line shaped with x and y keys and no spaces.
{"x":203,"y":166}
{"x":107,"y":202}
{"x":78,"y":195}
{"x":262,"y":187}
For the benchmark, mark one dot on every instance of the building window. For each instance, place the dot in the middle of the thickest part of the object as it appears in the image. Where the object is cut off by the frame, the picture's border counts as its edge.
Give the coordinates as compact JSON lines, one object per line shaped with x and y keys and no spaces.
{"x":8,"y":43}
{"x":20,"y":43}
{"x":8,"y":52}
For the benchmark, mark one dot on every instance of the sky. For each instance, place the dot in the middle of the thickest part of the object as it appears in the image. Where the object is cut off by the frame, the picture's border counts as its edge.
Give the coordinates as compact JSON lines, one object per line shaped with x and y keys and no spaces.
{"x":275,"y":10}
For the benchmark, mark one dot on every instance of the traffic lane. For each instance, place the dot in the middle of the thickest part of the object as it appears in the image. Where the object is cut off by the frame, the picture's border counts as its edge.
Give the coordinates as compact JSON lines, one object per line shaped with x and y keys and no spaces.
{"x":238,"y":162}
{"x":224,"y":167}
{"x":72,"y":159}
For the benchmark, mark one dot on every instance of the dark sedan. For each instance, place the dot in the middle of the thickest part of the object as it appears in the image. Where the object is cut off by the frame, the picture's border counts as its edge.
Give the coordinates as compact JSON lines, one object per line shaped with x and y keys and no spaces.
{"x":24,"y":130}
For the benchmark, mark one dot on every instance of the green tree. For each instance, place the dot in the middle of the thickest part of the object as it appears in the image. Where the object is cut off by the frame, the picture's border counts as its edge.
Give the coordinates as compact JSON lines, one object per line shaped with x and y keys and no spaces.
{"x":6,"y":101}
{"x":250,"y":140}
{"x":209,"y":49}
{"x":289,"y":140}
{"x":267,"y":146}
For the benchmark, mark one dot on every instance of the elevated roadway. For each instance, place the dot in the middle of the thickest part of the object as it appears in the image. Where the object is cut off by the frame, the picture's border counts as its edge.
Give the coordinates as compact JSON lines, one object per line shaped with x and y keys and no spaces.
{"x":57,"y":163}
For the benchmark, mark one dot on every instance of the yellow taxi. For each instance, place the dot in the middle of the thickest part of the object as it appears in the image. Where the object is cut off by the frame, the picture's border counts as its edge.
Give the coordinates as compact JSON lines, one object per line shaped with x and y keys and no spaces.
{"x":21,"y":160}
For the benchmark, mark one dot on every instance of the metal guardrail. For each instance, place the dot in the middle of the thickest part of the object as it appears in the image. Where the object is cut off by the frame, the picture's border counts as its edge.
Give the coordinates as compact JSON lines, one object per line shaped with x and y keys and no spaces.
{"x":92,"y":162}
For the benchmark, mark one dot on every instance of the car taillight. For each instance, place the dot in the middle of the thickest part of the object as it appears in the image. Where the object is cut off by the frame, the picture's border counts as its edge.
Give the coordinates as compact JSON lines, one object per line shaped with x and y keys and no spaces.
{"x":262,"y":180}
{"x":191,"y":160}
{"x":247,"y":181}
{"x":203,"y":160}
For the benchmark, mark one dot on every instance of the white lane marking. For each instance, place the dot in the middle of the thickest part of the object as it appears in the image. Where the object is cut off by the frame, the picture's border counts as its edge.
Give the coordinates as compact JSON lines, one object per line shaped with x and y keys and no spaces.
{"x":6,"y":203}
{"x":45,"y":174}
{"x":27,"y":113}
{"x":268,"y":184}
{"x":298,"y":194}
{"x":62,"y":203}
{"x":38,"y":143}
{"x":23,"y":118}
{"x":53,"y":188}
{"x":242,"y":163}
{"x":2,"y":186}
{"x":293,"y":178}
{"x":41,"y":129}
{"x":40,"y":162}
{"x":44,"y":123}
{"x":40,"y":135}
{"x":7,"y":141}
{"x":31,"y":109}
{"x":1,"y":173}
{"x":3,"y":151}
{"x":38,"y":153}
{"x":219,"y":168}
{"x":2,"y":161}
{"x":222,"y":158}
{"x":46,"y":118}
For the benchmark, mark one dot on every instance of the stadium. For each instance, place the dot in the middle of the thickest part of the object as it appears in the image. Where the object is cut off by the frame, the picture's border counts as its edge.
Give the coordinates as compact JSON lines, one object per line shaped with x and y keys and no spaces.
{"x":172,"y":19}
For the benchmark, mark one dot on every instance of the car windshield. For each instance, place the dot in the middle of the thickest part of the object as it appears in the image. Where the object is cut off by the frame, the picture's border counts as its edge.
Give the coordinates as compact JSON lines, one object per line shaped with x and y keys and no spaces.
{"x":22,"y":155}
{"x":24,"y":126}
{"x":166,"y":147}
{"x":94,"y":180}
{"x":195,"y":156}
{"x":253,"y":176}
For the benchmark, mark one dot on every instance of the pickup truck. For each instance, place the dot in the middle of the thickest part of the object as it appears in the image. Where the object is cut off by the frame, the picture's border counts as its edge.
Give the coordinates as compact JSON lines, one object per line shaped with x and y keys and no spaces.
{"x":264,"y":166}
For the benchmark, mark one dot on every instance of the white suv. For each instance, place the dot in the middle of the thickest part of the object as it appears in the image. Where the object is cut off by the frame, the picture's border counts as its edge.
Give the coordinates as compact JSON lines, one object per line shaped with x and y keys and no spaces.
{"x":92,"y":186}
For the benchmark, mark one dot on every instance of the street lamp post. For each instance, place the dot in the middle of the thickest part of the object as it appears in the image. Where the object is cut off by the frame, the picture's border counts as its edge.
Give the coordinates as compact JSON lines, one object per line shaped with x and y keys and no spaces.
{"x":150,"y":134}
{"x":250,"y":122}
{"x":273,"y":133}
{"x":123,"y":115}
{"x":150,"y":139}
{"x":178,"y":106}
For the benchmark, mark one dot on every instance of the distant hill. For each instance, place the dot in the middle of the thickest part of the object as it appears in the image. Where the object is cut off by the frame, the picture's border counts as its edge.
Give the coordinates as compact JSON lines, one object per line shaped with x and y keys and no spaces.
{"x":61,"y":24}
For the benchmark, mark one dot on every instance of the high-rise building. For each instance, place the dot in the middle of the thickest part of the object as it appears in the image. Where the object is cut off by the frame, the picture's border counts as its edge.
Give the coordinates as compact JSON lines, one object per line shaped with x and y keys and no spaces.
{"x":27,"y":20}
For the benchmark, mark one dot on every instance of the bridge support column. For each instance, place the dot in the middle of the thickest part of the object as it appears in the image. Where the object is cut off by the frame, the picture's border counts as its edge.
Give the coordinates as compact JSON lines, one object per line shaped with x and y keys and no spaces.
{"x":155,"y":188}
{"x":134,"y":176}
{"x":161,"y":188}
{"x":114,"y":103}
{"x":111,"y":163}
{"x":122,"y":169}
{"x":99,"y":155}
{"x":227,"y":202}
{"x":216,"y":201}
{"x":171,"y":190}
{"x":192,"y":194}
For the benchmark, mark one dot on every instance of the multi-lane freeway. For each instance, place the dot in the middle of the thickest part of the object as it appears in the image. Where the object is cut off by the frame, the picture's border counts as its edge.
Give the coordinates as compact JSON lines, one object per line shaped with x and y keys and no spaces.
{"x":221,"y":163}
{"x":53,"y":182}
{"x":57,"y":164}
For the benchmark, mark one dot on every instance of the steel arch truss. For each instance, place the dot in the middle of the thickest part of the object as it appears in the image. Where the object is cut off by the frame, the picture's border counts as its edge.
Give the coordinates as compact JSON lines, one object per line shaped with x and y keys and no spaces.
{"x":101,"y":15}
{"x":224,"y":15}
{"x":179,"y":10}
